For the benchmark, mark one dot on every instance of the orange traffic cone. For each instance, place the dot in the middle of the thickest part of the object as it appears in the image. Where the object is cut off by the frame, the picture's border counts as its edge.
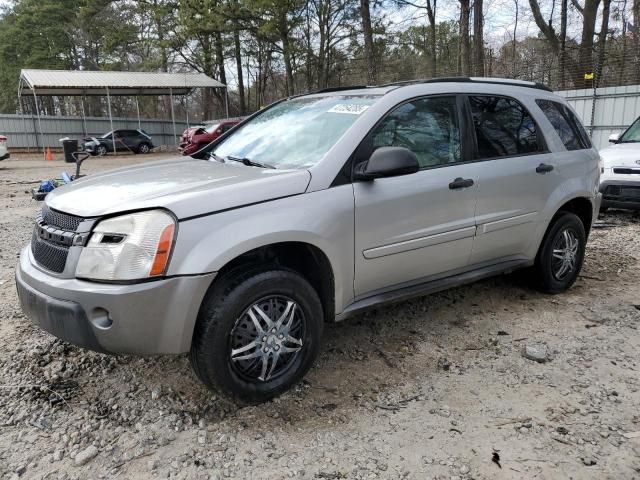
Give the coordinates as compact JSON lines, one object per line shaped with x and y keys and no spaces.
{"x":49,"y":156}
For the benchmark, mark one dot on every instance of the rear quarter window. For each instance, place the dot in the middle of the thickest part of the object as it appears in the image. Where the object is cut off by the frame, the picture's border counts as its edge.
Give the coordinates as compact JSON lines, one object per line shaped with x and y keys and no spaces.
{"x":566,"y":125}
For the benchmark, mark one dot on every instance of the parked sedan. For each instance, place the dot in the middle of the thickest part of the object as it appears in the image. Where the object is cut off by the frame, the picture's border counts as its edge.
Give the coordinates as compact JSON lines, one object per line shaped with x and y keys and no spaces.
{"x":620,"y":179}
{"x":193,"y":139}
{"x":4,"y":152}
{"x":135,"y":141}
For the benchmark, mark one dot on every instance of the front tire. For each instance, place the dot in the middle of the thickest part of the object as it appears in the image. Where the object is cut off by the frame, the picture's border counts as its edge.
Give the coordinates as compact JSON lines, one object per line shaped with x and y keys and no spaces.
{"x":257,"y":334}
{"x":101,"y":150}
{"x":144,"y":148}
{"x":561,"y":254}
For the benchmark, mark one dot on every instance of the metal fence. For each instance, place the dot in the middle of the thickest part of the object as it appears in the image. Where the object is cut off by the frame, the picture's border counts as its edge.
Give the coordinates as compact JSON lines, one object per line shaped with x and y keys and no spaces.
{"x":615,"y":109}
{"x":24,"y":133}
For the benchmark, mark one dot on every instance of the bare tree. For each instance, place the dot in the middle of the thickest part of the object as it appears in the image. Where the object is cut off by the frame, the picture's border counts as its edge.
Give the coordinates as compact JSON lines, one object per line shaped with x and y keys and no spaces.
{"x":367,"y":31}
{"x":602,"y":39}
{"x":563,"y":43}
{"x":478,"y":38}
{"x":465,"y":47}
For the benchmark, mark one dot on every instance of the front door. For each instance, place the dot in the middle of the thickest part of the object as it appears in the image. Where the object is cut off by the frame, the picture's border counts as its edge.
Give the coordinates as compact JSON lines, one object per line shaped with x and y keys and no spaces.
{"x":414,"y":226}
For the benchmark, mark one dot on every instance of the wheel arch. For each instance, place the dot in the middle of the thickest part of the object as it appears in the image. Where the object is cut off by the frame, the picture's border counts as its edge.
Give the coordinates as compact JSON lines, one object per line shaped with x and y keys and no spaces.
{"x":582,"y":207}
{"x":306,"y":259}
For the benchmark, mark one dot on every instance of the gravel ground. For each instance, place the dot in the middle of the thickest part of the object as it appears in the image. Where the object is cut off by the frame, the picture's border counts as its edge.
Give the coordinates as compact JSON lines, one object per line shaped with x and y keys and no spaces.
{"x":438,"y":387}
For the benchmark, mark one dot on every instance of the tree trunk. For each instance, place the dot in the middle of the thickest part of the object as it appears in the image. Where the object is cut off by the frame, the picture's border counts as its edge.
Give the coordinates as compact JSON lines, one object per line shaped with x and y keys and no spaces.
{"x":238,"y":53}
{"x":623,"y":51}
{"x":478,"y":38}
{"x":221,"y":70}
{"x":514,"y":56}
{"x":636,"y":35}
{"x":286,"y":51}
{"x":563,"y":44}
{"x":602,"y":40}
{"x":433,"y":58}
{"x":465,"y":47}
{"x":367,"y":30}
{"x":585,"y":52}
{"x":207,"y":62}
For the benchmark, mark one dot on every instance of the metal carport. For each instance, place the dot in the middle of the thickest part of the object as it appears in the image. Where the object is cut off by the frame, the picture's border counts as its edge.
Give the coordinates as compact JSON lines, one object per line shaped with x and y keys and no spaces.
{"x":85,"y":83}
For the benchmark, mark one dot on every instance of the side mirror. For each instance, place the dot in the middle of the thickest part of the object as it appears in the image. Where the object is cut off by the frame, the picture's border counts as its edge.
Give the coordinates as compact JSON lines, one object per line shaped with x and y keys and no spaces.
{"x":614,"y":137}
{"x":388,"y":162}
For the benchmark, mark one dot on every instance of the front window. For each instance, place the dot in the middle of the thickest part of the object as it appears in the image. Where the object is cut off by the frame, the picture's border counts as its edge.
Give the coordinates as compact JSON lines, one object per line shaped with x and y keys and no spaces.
{"x":296,"y":133}
{"x":632,"y":134}
{"x":428,"y":127}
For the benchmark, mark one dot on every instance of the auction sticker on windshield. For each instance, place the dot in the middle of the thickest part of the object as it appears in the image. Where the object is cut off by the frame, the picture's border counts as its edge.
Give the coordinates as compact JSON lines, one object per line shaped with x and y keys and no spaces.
{"x":351,"y":108}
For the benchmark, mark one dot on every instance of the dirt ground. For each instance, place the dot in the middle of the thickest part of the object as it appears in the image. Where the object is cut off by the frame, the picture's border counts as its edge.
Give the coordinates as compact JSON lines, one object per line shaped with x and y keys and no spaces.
{"x":432,"y":388}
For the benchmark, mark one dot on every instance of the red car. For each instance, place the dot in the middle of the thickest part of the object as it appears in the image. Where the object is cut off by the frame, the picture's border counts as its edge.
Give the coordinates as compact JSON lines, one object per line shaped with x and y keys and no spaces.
{"x":193,"y":139}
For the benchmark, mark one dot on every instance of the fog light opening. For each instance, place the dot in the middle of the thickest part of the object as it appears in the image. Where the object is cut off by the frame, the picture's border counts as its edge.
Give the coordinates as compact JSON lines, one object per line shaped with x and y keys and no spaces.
{"x":101,"y":318}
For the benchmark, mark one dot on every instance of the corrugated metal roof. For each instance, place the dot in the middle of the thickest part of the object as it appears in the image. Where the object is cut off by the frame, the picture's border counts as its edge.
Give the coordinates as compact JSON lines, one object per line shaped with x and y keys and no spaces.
{"x":83,"y":82}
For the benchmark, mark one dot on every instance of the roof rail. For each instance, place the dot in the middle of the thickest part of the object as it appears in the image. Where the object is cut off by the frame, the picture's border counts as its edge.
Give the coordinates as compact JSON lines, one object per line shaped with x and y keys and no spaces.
{"x":339,"y":89}
{"x":495,"y":81}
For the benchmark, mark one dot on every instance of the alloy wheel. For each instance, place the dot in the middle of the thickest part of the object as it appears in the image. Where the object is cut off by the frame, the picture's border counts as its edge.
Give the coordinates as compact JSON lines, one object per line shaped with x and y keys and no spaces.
{"x":266,"y":339}
{"x":565,"y":253}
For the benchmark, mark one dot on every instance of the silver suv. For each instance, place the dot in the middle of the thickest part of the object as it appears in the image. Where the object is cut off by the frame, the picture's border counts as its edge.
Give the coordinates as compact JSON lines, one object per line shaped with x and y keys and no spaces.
{"x":310,"y":211}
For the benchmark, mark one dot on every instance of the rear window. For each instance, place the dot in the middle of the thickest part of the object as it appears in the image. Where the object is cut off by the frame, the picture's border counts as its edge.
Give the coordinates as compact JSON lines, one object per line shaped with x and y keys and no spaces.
{"x":566,"y":125}
{"x":503,"y":127}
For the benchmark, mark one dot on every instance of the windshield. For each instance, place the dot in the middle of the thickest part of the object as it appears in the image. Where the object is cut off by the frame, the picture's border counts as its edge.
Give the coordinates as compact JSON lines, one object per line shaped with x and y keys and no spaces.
{"x":295,"y":133}
{"x":632,"y":134}
{"x":212,"y":128}
{"x":107,"y":135}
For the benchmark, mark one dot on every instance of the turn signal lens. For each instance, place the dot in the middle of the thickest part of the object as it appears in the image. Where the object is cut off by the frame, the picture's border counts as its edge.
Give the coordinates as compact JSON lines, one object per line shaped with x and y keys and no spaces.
{"x":162,"y":253}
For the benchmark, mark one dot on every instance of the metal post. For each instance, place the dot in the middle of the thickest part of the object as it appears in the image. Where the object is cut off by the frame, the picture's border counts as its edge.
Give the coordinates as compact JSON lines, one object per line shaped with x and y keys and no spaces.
{"x":138,"y":110}
{"x":226,"y":100}
{"x":113,"y":136}
{"x":173,"y":119}
{"x":186,"y":108}
{"x":35,"y":97}
{"x":84,"y":120}
{"x":24,"y":121}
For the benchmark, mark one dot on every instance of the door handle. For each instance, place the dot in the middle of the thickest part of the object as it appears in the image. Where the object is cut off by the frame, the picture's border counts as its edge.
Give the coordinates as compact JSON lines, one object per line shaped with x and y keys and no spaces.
{"x":544,"y":168}
{"x":460,"y":182}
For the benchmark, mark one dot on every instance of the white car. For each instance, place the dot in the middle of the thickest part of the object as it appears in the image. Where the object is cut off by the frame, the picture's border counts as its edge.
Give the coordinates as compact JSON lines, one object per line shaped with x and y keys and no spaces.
{"x":620,"y":179}
{"x":4,"y":152}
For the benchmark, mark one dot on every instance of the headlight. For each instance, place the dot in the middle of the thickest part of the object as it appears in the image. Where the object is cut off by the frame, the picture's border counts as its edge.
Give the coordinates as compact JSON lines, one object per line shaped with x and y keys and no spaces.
{"x":129,"y":247}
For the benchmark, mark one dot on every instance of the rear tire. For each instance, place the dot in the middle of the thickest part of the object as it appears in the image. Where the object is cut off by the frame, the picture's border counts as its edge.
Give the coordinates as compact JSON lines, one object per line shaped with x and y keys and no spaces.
{"x":226,"y":330}
{"x":561,"y":254}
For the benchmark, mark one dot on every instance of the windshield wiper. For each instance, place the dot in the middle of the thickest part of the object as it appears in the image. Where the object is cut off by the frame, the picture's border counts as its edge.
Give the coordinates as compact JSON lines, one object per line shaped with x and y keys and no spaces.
{"x":216,"y":157}
{"x":250,"y":163}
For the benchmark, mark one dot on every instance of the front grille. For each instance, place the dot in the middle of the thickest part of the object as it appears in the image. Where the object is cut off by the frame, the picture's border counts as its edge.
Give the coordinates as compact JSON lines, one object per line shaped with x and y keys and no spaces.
{"x":51,"y":256}
{"x":60,"y":220}
{"x":622,"y":193}
{"x":51,"y":252}
{"x":627,"y":171}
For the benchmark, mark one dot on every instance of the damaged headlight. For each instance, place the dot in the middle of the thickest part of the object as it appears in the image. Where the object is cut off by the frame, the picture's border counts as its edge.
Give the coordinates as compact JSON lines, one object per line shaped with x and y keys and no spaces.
{"x":129,"y":247}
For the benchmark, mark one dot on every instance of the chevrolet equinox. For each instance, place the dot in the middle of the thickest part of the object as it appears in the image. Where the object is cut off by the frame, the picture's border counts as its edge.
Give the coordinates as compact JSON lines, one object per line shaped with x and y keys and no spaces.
{"x":311,"y":210}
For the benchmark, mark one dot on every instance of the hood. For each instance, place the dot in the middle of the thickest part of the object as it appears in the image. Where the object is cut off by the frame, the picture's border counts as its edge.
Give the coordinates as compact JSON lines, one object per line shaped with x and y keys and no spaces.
{"x":621,"y":155}
{"x":185,"y":186}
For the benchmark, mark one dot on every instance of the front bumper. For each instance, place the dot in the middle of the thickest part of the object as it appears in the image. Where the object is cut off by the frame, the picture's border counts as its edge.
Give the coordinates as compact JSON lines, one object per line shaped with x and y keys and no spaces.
{"x":620,"y":193}
{"x":5,"y":156}
{"x":155,"y":317}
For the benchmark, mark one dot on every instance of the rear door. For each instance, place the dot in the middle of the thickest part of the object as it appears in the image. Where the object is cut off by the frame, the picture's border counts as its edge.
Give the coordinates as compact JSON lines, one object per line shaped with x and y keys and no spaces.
{"x":129,"y":140}
{"x":412,"y":227}
{"x":516,"y":180}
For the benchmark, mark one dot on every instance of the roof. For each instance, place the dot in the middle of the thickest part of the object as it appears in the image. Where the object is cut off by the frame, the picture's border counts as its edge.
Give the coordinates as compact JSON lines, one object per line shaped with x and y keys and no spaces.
{"x":84,"y":82}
